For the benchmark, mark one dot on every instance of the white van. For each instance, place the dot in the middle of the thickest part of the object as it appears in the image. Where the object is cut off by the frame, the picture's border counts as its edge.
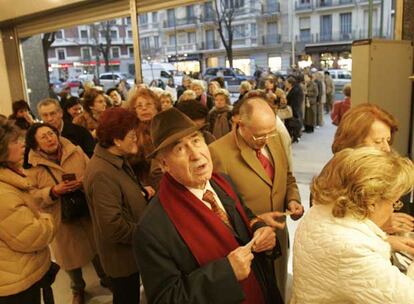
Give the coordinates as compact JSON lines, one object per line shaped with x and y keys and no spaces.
{"x":155,"y":70}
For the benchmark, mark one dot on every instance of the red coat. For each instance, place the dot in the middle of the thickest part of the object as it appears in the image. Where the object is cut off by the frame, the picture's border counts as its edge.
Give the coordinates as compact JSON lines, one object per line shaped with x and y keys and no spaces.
{"x":339,"y":109}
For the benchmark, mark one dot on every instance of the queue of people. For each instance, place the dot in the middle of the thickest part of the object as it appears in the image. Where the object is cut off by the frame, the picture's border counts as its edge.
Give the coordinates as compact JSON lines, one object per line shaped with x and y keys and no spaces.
{"x":190,"y":196}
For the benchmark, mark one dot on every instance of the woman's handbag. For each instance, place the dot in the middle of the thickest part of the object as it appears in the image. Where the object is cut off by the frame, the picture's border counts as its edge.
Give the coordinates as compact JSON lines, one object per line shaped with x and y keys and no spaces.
{"x":285,"y":112}
{"x":73,"y":204}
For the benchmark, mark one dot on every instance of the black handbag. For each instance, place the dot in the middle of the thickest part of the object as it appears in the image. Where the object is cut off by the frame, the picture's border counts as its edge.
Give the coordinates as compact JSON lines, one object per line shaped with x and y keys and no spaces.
{"x":73,"y":204}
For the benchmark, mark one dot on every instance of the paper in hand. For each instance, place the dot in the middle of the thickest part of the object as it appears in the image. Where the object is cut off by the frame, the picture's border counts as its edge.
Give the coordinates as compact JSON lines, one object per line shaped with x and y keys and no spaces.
{"x":250,"y":244}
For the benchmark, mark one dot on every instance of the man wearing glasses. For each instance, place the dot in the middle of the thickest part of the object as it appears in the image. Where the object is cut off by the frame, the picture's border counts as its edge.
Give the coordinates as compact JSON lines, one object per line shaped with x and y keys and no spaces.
{"x":254,"y":157}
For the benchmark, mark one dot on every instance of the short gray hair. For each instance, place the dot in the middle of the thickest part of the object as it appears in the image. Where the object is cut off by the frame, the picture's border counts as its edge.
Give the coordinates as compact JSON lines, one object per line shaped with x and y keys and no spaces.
{"x":8,"y":132}
{"x":48,"y":101}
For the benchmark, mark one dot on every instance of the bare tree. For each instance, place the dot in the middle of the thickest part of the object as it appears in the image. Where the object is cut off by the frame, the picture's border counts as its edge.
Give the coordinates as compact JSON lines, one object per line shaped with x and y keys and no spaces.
{"x":47,"y":41}
{"x":103,"y":30}
{"x":224,"y":14}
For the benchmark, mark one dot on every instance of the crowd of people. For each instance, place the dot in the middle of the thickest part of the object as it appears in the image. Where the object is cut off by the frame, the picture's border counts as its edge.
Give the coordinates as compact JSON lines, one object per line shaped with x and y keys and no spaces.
{"x":188,"y":191}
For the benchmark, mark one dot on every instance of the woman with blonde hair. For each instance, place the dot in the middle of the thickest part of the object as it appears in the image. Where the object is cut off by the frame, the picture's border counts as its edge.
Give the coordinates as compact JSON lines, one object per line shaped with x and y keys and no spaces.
{"x":369,"y":125}
{"x":340,"y":253}
{"x":199,"y":89}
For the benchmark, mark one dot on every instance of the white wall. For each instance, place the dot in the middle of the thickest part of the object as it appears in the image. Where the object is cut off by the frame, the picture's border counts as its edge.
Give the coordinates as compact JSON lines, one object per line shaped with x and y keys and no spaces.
{"x":5,"y":100}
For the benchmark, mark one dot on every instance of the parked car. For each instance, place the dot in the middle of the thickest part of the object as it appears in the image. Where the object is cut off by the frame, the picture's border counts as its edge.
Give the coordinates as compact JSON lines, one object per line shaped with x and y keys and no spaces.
{"x":163,"y":71}
{"x":110,"y":80}
{"x":73,"y":83}
{"x":86,"y":77}
{"x":340,"y":78}
{"x":232,"y":77}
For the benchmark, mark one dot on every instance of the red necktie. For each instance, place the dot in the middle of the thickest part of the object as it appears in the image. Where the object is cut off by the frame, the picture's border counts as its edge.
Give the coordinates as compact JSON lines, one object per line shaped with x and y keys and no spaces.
{"x":267,"y":165}
{"x":208,"y":196}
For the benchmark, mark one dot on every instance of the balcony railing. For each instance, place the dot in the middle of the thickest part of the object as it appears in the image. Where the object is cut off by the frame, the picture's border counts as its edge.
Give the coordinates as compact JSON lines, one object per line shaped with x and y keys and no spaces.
{"x":271,"y":8}
{"x":271,"y":39}
{"x":179,"y":22}
{"x":303,"y":6}
{"x":187,"y":47}
{"x":207,"y":17}
{"x":209,"y":45}
{"x":337,"y":36}
{"x":333,"y":3}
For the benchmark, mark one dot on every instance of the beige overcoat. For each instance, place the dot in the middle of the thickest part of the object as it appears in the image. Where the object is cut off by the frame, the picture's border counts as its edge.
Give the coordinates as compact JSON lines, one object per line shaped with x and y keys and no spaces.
{"x":232,"y":156}
{"x":73,"y":246}
{"x":25,"y":234}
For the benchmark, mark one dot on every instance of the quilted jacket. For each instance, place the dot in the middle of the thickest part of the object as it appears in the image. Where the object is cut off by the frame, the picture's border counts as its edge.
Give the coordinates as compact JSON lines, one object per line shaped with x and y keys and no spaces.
{"x":344,"y":261}
{"x":24,"y":235}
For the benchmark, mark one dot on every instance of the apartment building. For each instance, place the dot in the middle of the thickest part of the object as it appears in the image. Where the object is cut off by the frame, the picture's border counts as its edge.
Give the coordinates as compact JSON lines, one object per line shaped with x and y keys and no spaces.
{"x":266,"y":33}
{"x":324,"y":29}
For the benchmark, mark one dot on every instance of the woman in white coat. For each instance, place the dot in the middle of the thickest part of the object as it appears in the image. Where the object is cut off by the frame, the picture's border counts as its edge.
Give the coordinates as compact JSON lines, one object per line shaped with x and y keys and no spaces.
{"x":340,"y":254}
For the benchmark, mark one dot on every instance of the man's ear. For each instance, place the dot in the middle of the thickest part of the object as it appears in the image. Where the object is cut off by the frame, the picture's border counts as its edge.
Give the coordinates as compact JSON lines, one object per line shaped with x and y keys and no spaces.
{"x":162,"y":162}
{"x":117,"y":142}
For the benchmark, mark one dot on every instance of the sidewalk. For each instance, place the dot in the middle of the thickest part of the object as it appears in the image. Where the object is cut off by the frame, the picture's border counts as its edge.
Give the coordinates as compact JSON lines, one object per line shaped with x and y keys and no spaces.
{"x":309,"y":157}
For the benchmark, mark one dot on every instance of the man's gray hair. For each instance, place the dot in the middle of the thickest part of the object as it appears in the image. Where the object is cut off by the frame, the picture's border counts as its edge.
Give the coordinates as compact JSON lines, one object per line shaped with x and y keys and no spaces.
{"x":48,"y":101}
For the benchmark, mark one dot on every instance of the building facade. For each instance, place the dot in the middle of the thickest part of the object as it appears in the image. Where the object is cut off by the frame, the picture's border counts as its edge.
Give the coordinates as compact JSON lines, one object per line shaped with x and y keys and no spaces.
{"x":266,"y":33}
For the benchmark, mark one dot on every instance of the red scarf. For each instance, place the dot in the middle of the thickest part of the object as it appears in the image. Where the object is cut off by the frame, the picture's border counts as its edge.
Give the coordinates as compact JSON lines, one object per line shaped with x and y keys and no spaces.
{"x":204,"y":233}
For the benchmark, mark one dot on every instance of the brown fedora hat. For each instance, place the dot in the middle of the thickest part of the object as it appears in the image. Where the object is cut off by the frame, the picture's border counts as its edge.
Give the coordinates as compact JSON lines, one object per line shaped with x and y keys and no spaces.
{"x":169,"y":126}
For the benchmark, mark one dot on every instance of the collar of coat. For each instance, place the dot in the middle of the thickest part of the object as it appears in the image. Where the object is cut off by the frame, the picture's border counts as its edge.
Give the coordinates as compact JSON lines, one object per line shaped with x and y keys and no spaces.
{"x":13,"y":179}
{"x":35,"y":159}
{"x":103,"y":153}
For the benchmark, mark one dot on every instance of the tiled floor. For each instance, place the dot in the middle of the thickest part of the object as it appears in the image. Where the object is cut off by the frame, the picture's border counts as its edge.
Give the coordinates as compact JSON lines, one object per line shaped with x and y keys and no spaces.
{"x":309,"y":155}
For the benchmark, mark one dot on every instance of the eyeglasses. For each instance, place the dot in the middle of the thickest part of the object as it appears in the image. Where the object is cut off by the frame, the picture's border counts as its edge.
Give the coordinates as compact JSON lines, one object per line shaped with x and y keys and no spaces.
{"x":264,"y":137}
{"x":47,"y":135}
{"x":397,"y":205}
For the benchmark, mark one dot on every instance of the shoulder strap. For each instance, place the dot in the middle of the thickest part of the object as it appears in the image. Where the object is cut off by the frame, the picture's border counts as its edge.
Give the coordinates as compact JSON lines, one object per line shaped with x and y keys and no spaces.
{"x":50,"y":173}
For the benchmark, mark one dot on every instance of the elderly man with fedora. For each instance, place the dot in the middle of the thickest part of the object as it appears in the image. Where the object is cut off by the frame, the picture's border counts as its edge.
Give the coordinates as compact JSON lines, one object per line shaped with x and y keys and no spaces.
{"x":197,"y":242}
{"x":254,"y":157}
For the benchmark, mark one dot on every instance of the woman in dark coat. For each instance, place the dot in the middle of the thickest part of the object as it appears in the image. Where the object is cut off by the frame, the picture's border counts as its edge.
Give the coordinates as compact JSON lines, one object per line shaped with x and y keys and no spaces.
{"x":116,"y":201}
{"x":294,"y":96}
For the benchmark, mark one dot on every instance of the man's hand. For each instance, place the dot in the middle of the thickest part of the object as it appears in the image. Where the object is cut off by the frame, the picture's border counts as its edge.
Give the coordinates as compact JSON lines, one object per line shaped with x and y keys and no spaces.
{"x":296,"y":209}
{"x":150,"y":191}
{"x":240,"y":261}
{"x":401,"y":243}
{"x":399,"y":222}
{"x":270,"y":219}
{"x":265,"y":239}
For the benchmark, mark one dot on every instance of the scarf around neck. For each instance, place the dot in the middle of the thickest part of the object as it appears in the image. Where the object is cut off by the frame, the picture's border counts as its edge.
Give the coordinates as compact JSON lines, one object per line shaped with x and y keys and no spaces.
{"x":207,"y":237}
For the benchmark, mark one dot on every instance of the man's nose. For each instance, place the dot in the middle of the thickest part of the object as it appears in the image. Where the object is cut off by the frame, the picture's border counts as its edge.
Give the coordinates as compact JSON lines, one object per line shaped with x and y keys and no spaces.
{"x":386,"y":146}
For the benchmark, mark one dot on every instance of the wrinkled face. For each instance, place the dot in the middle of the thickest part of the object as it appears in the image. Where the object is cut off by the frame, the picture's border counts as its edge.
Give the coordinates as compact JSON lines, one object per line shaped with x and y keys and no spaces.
{"x":76,"y":110}
{"x":52,"y":115}
{"x":115,"y":97}
{"x":128,"y":145}
{"x":189,"y":161}
{"x":212,"y":88}
{"x":46,"y":140}
{"x":197,"y":89}
{"x":16,"y":151}
{"x":379,"y":136}
{"x":145,"y":108}
{"x":383,"y":210}
{"x":166,"y":103}
{"x":220,"y":101}
{"x":99,"y":104}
